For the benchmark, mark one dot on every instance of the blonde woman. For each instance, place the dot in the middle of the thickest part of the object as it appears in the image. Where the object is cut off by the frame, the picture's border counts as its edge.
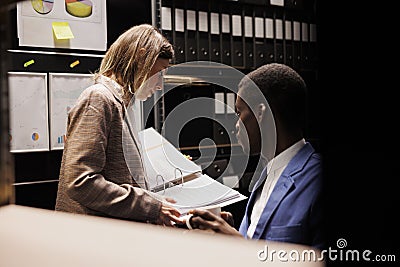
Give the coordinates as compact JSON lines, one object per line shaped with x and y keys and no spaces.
{"x":94,"y":176}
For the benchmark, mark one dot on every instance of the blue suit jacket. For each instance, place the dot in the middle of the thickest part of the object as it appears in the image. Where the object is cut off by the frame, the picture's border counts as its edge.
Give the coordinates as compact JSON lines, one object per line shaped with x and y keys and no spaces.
{"x":293,"y":212}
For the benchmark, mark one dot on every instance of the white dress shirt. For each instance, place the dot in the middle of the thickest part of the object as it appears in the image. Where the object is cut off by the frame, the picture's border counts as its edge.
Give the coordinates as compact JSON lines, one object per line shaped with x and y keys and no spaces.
{"x":275,"y":168}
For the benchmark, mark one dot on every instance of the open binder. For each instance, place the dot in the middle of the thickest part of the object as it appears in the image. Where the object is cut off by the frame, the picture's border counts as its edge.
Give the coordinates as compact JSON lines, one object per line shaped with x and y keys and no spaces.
{"x":170,"y":174}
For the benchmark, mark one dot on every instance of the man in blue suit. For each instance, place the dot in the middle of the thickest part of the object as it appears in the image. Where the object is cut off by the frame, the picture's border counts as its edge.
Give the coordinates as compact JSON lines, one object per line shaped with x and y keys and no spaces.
{"x":286,"y":201}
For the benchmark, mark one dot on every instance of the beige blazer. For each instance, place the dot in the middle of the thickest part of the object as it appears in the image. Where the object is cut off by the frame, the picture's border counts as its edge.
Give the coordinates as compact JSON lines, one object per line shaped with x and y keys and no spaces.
{"x":94,"y":176}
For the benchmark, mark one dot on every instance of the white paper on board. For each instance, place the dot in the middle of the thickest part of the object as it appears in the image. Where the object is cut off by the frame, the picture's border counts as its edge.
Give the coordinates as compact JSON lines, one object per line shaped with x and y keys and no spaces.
{"x":29,"y":129}
{"x":64,"y":90}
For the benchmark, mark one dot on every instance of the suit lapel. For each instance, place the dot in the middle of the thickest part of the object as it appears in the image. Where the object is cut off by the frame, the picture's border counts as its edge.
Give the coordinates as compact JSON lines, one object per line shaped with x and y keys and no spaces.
{"x":282,"y":187}
{"x":280,"y":190}
{"x":250,"y":203}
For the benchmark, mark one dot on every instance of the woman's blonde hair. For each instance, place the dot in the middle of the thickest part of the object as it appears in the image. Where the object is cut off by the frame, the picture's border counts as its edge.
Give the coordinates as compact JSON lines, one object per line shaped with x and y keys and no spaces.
{"x":131,"y":57}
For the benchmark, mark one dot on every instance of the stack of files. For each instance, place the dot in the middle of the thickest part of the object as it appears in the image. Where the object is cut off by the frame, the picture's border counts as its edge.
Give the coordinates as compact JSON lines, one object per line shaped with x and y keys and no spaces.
{"x":171,"y":174}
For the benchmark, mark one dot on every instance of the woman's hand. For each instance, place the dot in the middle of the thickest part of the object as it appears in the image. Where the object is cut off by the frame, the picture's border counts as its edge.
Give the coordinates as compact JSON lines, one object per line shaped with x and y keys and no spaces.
{"x":168,"y":215}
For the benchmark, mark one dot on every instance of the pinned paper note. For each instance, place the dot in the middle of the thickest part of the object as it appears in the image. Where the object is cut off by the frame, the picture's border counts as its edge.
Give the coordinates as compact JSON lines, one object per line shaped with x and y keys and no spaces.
{"x":62,"y":30}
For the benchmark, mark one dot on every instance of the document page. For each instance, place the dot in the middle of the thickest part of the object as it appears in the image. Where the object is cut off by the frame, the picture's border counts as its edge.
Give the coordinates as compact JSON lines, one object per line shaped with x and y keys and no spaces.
{"x":201,"y":192}
{"x":29,"y":129}
{"x":162,"y":161}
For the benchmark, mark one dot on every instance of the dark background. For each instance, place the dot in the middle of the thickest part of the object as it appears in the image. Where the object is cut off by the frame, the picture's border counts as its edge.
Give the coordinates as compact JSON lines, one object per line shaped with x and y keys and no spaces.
{"x":360,"y":138}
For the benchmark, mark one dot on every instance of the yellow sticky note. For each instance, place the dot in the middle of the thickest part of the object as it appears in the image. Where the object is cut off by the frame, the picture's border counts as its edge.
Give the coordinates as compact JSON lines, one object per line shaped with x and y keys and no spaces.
{"x":62,"y":30}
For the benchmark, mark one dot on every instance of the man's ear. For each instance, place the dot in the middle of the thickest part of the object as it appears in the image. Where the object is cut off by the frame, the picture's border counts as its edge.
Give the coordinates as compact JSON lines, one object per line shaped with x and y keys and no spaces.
{"x":260,"y":111}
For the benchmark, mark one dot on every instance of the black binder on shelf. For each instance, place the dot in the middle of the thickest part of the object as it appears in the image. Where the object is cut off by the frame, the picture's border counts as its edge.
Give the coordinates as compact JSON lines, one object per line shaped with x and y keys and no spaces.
{"x":226,"y":42}
{"x":203,"y":30}
{"x":179,"y":23}
{"x":279,"y":34}
{"x":313,"y":47}
{"x":260,"y":54}
{"x":167,"y":21}
{"x":305,"y":49}
{"x":191,"y":31}
{"x":215,"y":33}
{"x":225,"y":117}
{"x":269,"y":37}
{"x":288,"y":21}
{"x":296,"y":44}
{"x":259,"y":34}
{"x":289,"y":53}
{"x":249,"y":37}
{"x":237,"y":35}
{"x":215,"y":48}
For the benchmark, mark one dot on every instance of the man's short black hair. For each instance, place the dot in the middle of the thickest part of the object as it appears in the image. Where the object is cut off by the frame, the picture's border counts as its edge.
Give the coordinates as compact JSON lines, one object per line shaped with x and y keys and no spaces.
{"x":284,"y":90}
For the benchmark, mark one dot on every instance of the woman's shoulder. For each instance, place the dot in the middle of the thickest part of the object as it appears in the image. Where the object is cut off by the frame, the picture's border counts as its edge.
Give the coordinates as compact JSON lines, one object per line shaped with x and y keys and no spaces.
{"x":96,"y":96}
{"x":97,"y":92}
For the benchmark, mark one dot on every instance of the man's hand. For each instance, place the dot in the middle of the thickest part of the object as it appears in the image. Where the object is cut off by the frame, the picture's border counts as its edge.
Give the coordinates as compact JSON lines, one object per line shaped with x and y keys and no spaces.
{"x":227,"y":216}
{"x":205,"y":220}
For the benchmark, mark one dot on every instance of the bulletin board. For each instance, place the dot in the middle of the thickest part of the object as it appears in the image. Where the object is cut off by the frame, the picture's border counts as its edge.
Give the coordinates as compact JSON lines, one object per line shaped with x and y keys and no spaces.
{"x":64,"y":90}
{"x":73,"y":24}
{"x":28,"y":112}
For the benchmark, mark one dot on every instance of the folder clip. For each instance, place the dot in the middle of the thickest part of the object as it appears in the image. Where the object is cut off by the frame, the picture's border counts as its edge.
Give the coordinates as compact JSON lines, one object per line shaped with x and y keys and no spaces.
{"x":177,"y":169}
{"x":162,"y":180}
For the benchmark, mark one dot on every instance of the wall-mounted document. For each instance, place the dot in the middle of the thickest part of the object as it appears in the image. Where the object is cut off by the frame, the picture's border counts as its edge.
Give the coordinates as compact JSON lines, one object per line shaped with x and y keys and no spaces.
{"x":64,"y":90}
{"x":62,"y":24}
{"x":28,"y":112}
{"x":171,"y":174}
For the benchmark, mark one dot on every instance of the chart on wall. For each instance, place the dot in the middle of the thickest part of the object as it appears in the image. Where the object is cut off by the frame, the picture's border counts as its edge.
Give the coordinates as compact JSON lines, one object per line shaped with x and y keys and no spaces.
{"x":28,"y":112}
{"x":74,"y":24}
{"x":64,"y":90}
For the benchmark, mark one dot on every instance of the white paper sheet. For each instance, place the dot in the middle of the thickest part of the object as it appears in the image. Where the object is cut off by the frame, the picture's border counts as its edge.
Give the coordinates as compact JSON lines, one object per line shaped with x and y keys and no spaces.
{"x":28,"y":112}
{"x":236,"y":25}
{"x":64,"y":90}
{"x":296,"y":30}
{"x":179,"y":20}
{"x":279,"y":28}
{"x":160,"y":157}
{"x":191,"y":20}
{"x":214,"y":23}
{"x":259,"y":27}
{"x":288,"y":30}
{"x":230,"y":102}
{"x":201,"y":192}
{"x":166,"y":23}
{"x":269,"y":28}
{"x":203,"y":21}
{"x":277,"y":2}
{"x":248,"y":26}
{"x":219,"y":103}
{"x":225,"y":23}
